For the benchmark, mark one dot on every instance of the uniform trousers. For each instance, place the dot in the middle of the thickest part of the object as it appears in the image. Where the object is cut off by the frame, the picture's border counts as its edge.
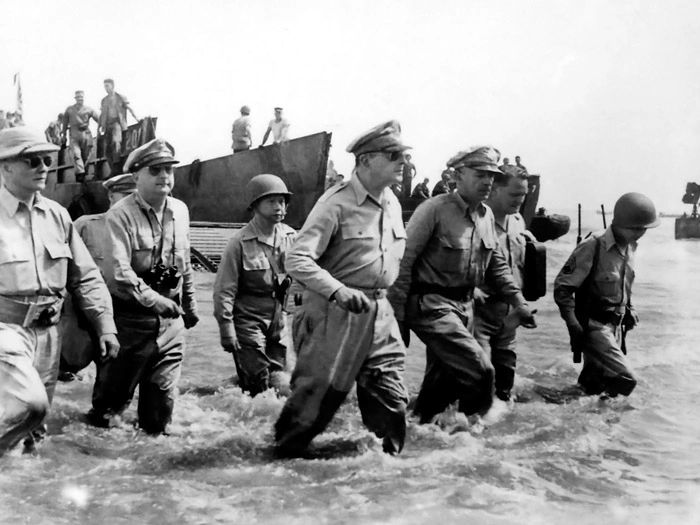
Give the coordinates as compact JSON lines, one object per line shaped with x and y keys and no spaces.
{"x":457,"y":367}
{"x":29,"y":360}
{"x":113,"y":141}
{"x":491,"y":333}
{"x":605,"y":367}
{"x":150,"y":357}
{"x":259,"y":322}
{"x":80,"y":146}
{"x":336,"y":349}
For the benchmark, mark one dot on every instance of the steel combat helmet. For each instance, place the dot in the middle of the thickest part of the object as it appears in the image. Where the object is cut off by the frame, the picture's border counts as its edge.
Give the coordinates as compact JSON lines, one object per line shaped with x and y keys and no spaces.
{"x":635,"y":210}
{"x":263,"y":185}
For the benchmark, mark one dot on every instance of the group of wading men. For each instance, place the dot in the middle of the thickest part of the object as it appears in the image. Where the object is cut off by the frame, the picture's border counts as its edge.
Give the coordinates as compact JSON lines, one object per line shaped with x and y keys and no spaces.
{"x":453,"y":276}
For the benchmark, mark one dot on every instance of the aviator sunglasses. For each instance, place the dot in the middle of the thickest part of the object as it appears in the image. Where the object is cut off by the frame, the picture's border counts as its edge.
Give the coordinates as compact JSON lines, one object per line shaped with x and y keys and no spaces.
{"x":393,"y":156}
{"x":35,"y":161}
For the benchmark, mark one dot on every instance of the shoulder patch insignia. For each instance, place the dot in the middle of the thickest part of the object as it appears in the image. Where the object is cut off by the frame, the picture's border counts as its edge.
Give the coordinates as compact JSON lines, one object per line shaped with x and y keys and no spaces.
{"x":570,"y":266}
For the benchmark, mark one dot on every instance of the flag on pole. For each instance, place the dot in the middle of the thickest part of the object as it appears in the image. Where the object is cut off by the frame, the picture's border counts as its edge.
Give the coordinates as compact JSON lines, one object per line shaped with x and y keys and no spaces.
{"x":18,"y":86}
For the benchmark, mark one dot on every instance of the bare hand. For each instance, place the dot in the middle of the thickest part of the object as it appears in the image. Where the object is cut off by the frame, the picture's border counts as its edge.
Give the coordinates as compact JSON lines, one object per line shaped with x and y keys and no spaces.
{"x":191,"y":319}
{"x":167,"y":308}
{"x":526,"y":316}
{"x":352,"y":300}
{"x":480,"y":296}
{"x":576,"y":335}
{"x":230,"y":344}
{"x":109,"y":346}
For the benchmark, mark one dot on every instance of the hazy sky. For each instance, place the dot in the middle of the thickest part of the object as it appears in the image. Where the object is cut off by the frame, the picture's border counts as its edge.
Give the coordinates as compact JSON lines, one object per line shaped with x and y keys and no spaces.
{"x":599,"y":97}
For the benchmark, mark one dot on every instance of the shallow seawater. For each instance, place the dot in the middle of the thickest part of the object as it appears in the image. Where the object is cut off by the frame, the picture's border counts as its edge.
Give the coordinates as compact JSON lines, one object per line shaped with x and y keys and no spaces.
{"x":589,"y":461}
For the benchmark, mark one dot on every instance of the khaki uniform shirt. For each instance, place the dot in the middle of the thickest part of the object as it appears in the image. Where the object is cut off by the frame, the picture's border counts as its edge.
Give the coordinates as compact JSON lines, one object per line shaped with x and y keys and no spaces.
{"x":240,"y":132}
{"x":78,"y":119}
{"x":41,"y":253}
{"x":113,"y":109}
{"x":248,"y":267}
{"x":349,"y":239}
{"x":451,"y":245}
{"x":137,"y":241}
{"x":93,"y":231}
{"x":611,"y":283}
{"x":511,"y":243}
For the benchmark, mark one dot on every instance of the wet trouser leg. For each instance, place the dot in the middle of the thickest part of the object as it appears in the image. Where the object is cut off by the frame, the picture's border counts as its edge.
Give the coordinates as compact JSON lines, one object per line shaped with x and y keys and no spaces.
{"x":456,"y":367}
{"x":117,"y":378}
{"x":28,"y":369}
{"x":605,"y":367}
{"x":158,"y":385}
{"x":491,"y":333}
{"x":336,"y":348}
{"x":259,"y":322}
{"x":381,"y":395}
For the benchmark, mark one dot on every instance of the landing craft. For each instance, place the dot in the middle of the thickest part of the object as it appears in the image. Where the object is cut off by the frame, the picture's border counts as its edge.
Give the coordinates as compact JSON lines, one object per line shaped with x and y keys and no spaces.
{"x":688,"y":226}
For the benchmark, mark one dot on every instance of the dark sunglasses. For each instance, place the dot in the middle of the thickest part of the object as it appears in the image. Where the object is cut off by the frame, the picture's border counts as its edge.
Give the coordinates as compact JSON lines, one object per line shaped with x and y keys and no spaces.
{"x":155,"y":170}
{"x":393,"y":156}
{"x":35,"y":161}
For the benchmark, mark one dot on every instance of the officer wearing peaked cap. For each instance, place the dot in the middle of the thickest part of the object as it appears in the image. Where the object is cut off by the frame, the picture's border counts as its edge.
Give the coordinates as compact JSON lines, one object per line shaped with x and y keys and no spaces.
{"x":43,"y":257}
{"x":78,"y":344}
{"x":593,"y":292}
{"x":451,"y":249}
{"x":148,"y":272}
{"x":346,"y":255}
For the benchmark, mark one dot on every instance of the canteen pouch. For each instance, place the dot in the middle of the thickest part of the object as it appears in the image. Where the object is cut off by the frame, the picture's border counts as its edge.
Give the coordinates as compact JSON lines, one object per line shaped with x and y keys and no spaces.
{"x":535,"y":270}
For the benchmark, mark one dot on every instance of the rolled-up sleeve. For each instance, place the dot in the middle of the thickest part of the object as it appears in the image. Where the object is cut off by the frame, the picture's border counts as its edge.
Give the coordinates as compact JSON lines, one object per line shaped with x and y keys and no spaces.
{"x":311,"y":243}
{"x":86,"y":285}
{"x":226,"y":287}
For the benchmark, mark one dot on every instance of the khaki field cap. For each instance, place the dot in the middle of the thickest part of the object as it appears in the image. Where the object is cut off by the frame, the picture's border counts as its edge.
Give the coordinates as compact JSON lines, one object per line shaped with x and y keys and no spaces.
{"x":123,"y":183}
{"x":480,"y":158}
{"x":153,"y":153}
{"x":384,"y":137}
{"x":23,"y":141}
{"x":263,"y":185}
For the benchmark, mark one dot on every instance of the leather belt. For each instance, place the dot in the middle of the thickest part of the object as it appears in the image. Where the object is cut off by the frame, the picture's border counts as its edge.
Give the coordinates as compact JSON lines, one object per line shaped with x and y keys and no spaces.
{"x":372,"y":293}
{"x":30,"y":311}
{"x":607,"y":317}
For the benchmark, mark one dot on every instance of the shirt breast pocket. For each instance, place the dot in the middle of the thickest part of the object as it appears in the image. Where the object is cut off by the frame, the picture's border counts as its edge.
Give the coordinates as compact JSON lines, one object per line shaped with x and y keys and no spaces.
{"x":142,"y":251}
{"x":609,"y":285}
{"x":357,"y":232}
{"x":57,"y":268}
{"x":454,"y":254}
{"x":254,"y":259}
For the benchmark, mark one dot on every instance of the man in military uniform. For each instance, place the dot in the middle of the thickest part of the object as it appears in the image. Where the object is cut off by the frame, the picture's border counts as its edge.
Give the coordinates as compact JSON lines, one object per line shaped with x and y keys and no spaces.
{"x":443,"y":185}
{"x":241,"y":138}
{"x":490,"y":309}
{"x":347,"y":254}
{"x":113,"y":121}
{"x":148,"y":272}
{"x":77,"y":119}
{"x":251,"y":287}
{"x":78,"y":341}
{"x":593,"y":292}
{"x":452,"y":247}
{"x":53,"y":130}
{"x":41,"y":256}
